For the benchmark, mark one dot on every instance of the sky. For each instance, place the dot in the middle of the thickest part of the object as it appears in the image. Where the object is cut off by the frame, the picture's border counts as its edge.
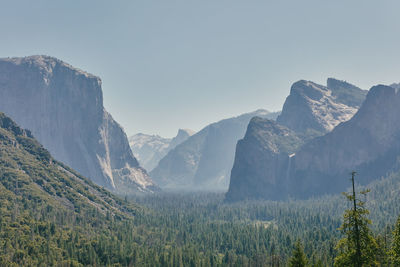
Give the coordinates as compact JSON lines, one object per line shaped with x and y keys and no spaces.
{"x":172,"y":64}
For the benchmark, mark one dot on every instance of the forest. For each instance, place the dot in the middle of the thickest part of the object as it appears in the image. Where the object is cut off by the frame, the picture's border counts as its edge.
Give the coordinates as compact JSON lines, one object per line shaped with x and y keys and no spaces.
{"x":52,"y":216}
{"x":196,"y":230}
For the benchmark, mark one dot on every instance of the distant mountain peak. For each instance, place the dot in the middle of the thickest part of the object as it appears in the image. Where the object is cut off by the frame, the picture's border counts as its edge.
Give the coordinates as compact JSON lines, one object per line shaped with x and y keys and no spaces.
{"x":149,"y":149}
{"x":314,"y":107}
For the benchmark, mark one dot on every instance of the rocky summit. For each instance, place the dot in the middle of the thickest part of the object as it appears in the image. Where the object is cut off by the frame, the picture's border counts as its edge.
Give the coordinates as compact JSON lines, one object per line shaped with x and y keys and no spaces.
{"x":369,"y":143}
{"x":312,"y":109}
{"x":63,"y":107}
{"x":150,"y":149}
{"x":262,"y":161}
{"x":267,"y":162}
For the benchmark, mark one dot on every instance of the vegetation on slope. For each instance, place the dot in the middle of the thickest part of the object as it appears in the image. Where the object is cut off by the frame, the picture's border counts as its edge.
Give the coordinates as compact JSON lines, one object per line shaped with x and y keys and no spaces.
{"x":51,"y":216}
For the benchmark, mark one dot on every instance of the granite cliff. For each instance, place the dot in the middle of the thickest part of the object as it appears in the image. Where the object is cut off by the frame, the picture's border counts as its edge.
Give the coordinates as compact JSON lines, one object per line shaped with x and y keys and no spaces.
{"x":310,"y":111}
{"x":313,"y":110}
{"x":204,"y":160}
{"x":63,"y":107}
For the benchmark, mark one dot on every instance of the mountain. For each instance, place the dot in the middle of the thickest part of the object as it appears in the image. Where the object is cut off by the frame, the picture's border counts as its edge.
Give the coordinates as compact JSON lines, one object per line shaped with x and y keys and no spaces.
{"x":369,"y":143}
{"x":395,"y":85}
{"x":150,"y":149}
{"x":63,"y":107}
{"x":261,"y":157}
{"x":28,"y":170}
{"x":313,"y":110}
{"x":204,"y":160}
{"x":265,"y":157}
{"x":50,"y":214}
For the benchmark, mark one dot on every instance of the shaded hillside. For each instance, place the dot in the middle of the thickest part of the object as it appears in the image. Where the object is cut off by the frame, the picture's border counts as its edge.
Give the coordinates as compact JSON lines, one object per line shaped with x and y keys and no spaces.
{"x":204,"y":160}
{"x":368,"y":143}
{"x":311,"y":110}
{"x":262,"y":161}
{"x":42,"y":200}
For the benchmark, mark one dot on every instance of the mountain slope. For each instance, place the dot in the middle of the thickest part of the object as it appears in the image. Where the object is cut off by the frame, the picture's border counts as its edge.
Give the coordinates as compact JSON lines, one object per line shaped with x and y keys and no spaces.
{"x":313,"y":109}
{"x":369,"y":143}
{"x":261,"y":156}
{"x":150,"y":149}
{"x":28,"y":170}
{"x":204,"y":160}
{"x":63,"y":107}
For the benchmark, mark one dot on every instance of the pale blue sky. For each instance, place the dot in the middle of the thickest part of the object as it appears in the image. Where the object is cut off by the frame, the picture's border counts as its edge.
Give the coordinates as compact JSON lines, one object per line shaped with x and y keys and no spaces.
{"x":184,"y":64}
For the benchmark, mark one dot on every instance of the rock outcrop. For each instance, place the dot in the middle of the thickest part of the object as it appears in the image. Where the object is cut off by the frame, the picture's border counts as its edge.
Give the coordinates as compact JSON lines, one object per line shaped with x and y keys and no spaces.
{"x":369,"y":143}
{"x":150,"y":149}
{"x":313,"y":110}
{"x":262,"y":161}
{"x":63,"y":107}
{"x":204,"y":160}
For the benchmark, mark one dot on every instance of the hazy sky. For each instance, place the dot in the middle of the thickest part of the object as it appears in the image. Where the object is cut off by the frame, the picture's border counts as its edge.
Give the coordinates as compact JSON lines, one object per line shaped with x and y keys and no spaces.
{"x":184,"y":64}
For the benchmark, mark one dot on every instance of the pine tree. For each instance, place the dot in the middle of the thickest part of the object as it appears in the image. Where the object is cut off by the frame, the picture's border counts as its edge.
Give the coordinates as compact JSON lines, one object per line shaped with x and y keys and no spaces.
{"x":298,"y":258}
{"x":396,"y":244}
{"x":358,"y":247}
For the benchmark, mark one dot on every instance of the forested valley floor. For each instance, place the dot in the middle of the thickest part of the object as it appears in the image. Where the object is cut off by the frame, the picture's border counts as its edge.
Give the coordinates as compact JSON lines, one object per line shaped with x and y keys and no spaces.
{"x":189,"y":230}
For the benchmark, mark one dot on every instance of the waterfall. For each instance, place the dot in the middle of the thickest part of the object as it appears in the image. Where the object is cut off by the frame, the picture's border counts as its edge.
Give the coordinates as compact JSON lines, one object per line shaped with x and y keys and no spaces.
{"x":289,"y":165}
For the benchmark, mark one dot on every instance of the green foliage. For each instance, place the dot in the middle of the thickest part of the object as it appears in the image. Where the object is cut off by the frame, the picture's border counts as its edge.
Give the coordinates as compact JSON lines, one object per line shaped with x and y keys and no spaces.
{"x":358,"y":247}
{"x":395,"y":251}
{"x":298,"y":258}
{"x":51,"y":216}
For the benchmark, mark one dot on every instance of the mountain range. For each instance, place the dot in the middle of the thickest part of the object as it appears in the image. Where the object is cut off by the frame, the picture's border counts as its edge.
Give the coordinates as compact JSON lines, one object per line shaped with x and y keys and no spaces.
{"x":270,"y":161}
{"x":150,"y":149}
{"x":204,"y":160}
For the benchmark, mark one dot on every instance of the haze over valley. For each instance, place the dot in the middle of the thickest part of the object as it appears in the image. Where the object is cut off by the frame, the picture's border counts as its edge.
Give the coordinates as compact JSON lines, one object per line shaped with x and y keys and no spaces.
{"x":200,"y":134}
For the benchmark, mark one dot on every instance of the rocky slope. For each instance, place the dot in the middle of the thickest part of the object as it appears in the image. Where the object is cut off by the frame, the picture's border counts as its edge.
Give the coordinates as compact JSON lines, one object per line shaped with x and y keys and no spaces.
{"x":312,"y":109}
{"x":63,"y":107}
{"x":262,"y":160}
{"x":369,"y":143}
{"x":204,"y":160}
{"x":150,"y":149}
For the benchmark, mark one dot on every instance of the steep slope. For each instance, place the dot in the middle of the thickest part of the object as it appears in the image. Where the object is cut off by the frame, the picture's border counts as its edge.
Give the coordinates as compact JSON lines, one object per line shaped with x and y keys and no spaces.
{"x":204,"y":161}
{"x":261,"y":157}
{"x":28,"y":171}
{"x":63,"y":107}
{"x":313,"y":110}
{"x":150,"y":149}
{"x":369,"y":143}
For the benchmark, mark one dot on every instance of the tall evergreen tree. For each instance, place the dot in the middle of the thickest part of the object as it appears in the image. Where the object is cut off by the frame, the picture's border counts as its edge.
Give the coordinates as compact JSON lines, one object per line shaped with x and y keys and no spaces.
{"x":358,"y":247}
{"x":396,"y":244}
{"x":298,"y":258}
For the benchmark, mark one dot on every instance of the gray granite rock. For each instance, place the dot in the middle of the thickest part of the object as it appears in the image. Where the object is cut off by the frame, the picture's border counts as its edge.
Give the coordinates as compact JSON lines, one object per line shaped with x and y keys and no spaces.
{"x":204,"y":161}
{"x":63,"y":107}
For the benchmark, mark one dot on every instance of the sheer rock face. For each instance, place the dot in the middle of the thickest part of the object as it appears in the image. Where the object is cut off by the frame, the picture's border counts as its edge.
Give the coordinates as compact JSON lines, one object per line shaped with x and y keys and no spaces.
{"x":262,"y":161}
{"x":369,"y":143}
{"x":204,"y":160}
{"x":263,"y":167}
{"x":63,"y":107}
{"x":150,"y":149}
{"x":312,"y":109}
